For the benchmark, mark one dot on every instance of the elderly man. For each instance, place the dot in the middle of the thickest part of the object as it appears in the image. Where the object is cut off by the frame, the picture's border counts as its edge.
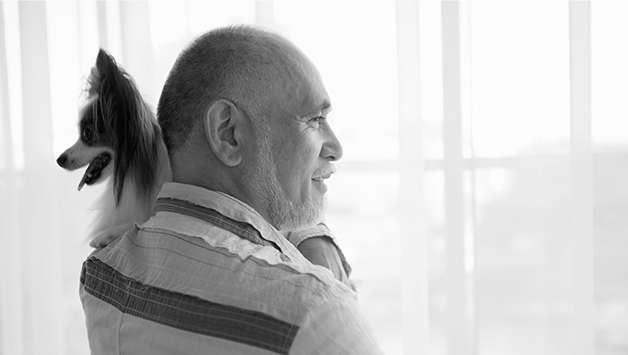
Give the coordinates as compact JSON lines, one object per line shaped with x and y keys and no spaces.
{"x":243,"y":115}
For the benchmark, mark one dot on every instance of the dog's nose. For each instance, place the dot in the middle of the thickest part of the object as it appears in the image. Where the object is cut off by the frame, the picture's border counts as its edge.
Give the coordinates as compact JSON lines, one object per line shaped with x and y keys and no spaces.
{"x":61,"y":160}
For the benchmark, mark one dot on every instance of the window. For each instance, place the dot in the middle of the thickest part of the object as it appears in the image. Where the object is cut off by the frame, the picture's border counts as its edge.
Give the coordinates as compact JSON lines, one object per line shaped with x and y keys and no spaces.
{"x":482,"y":195}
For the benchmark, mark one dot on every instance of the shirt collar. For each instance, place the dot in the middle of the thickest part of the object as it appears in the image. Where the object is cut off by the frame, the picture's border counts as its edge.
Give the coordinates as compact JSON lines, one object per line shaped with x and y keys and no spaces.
{"x":232,"y":208}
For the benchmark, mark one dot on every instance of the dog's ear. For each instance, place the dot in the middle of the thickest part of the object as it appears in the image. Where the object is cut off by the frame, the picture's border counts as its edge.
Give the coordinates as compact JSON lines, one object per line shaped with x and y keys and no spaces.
{"x":105,"y":67}
{"x":124,"y":112}
{"x":103,"y":59}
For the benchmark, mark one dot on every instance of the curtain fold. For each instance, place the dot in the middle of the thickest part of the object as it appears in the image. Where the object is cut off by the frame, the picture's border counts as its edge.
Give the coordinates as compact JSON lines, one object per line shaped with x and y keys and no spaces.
{"x":11,"y":294}
{"x":415,"y":315}
{"x":581,"y":173}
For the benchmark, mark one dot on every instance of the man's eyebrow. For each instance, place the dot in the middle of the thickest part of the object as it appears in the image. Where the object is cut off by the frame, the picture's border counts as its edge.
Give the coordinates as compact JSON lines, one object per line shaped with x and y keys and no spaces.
{"x":323,"y":108}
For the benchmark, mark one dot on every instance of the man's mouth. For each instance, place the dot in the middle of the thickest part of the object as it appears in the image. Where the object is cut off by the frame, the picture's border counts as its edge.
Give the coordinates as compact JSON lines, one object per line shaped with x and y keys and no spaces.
{"x":94,"y":170}
{"x":324,"y":174}
{"x":321,"y":177}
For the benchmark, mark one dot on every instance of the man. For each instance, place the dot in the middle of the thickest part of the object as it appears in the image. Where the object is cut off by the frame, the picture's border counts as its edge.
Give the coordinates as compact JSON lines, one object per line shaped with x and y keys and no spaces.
{"x":243,"y":115}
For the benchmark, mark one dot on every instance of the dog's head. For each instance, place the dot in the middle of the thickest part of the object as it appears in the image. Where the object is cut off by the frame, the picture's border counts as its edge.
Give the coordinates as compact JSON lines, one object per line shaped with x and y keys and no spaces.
{"x":111,"y":126}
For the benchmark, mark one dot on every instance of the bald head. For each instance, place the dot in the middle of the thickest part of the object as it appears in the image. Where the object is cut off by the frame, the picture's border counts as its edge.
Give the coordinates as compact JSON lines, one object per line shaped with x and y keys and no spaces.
{"x":243,"y":64}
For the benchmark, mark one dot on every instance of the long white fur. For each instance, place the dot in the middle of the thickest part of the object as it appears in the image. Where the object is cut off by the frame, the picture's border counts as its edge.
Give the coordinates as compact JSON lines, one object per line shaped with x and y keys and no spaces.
{"x":112,"y":222}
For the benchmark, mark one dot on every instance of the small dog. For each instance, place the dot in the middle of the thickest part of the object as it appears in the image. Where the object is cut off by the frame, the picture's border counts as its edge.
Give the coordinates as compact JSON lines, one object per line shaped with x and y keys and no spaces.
{"x":121,"y":141}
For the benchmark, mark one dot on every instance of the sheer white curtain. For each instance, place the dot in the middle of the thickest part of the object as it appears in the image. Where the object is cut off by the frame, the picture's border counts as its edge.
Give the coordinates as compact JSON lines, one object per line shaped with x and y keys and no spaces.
{"x":481,"y":200}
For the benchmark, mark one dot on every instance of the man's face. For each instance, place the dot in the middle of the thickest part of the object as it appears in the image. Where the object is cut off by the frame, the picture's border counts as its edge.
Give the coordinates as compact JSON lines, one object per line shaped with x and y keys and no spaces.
{"x":295,"y":152}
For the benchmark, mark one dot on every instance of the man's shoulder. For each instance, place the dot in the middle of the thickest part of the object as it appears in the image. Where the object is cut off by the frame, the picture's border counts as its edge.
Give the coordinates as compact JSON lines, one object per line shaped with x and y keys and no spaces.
{"x":220,"y":290}
{"x":223,"y":269}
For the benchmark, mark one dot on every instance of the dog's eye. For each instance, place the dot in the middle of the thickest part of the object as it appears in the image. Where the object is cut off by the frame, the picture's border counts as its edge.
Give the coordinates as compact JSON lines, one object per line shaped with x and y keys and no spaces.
{"x":87,"y":135}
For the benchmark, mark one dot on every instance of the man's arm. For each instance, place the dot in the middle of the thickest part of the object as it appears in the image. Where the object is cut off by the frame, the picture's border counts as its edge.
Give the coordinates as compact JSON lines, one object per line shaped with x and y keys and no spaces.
{"x":320,"y":247}
{"x":336,"y":327}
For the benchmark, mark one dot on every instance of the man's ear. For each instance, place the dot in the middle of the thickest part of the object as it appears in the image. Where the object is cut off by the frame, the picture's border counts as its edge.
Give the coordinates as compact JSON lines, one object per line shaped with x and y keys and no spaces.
{"x":223,"y":122}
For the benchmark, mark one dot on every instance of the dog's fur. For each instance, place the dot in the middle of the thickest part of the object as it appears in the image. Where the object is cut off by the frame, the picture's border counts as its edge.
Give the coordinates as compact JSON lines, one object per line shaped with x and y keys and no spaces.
{"x":121,"y":141}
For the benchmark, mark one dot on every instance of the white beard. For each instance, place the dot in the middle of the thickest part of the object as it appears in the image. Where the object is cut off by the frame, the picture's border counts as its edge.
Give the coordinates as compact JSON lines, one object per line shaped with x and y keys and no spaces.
{"x":284,"y":214}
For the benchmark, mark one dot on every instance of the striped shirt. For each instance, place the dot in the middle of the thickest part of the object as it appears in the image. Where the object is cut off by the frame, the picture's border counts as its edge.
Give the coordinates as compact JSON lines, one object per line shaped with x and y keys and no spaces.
{"x":208,"y":275}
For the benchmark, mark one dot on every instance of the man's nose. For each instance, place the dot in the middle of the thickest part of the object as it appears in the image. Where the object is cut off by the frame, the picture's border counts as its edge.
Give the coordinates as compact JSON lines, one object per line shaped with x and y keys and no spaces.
{"x":332,"y":149}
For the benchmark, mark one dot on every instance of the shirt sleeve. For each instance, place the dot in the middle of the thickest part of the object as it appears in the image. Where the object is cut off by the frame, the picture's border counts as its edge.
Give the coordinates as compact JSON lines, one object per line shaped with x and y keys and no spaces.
{"x":336,"y":327}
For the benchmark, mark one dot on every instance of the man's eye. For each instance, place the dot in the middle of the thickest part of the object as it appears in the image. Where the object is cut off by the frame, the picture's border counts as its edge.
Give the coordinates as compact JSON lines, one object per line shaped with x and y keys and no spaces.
{"x":316,"y":121}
